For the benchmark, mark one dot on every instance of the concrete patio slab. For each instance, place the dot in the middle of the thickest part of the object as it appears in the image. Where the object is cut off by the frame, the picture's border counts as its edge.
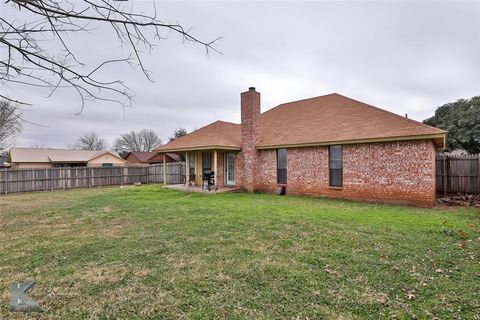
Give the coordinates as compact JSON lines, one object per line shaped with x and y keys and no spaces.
{"x":182,"y":187}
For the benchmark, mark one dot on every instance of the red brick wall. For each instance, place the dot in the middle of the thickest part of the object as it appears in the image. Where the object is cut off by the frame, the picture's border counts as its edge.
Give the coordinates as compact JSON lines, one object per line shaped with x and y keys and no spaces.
{"x":239,"y":170}
{"x":250,"y":113}
{"x":393,"y":172}
{"x":266,"y":177}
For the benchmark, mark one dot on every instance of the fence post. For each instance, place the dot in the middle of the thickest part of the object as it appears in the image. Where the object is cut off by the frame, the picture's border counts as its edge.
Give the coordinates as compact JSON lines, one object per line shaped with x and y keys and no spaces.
{"x":164,"y":170}
{"x":444,"y":175}
{"x":147,"y":172}
{"x":6,"y":181}
{"x":121,"y":176}
{"x":449,"y":171}
{"x":89,"y":175}
{"x":64,"y":180}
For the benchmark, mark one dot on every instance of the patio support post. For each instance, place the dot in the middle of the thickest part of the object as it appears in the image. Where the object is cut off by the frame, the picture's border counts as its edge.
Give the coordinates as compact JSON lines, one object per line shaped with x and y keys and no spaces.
{"x":164,"y":170}
{"x":187,"y":169}
{"x":215,"y":167}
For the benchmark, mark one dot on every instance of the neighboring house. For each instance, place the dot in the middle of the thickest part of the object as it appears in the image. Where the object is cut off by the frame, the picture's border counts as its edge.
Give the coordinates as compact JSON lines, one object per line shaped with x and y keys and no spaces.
{"x":47,"y":158}
{"x":329,"y":145}
{"x":147,"y":158}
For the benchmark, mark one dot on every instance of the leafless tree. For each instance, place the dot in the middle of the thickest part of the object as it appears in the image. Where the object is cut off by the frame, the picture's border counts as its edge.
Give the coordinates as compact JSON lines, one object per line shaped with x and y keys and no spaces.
{"x":143,"y":140}
{"x":26,"y":61}
{"x":10,"y":123}
{"x":91,"y":141}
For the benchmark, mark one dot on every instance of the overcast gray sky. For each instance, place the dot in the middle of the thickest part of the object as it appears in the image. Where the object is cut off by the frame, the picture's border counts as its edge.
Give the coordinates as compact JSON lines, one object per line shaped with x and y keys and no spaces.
{"x":406,"y":57}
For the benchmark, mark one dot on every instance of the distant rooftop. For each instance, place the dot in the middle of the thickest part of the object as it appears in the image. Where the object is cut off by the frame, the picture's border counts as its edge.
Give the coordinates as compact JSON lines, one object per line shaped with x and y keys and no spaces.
{"x":41,"y":155}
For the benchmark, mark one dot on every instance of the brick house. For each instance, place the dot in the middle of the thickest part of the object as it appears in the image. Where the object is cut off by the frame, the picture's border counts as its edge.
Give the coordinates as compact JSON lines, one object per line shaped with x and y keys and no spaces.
{"x":329,"y":145}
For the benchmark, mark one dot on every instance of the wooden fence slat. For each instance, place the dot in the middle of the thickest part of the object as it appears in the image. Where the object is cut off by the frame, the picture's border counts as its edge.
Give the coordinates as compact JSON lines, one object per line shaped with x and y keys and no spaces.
{"x":458,"y":174}
{"x":26,"y":180}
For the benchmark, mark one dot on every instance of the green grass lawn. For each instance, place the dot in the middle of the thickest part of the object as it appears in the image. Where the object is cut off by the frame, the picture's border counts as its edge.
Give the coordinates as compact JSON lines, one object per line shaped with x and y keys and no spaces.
{"x":144,"y":252}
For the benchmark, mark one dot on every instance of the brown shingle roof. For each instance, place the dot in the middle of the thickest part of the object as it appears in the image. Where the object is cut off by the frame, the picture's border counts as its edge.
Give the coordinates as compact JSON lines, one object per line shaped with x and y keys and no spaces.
{"x":327,"y":119}
{"x":220,"y":134}
{"x":41,"y":155}
{"x":334,"y":118}
{"x":173,"y":156}
{"x":146,"y":157}
{"x":142,"y":157}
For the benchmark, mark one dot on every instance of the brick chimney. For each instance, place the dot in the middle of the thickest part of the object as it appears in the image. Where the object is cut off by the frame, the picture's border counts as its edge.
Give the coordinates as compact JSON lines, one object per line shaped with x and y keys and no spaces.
{"x":250,"y":110}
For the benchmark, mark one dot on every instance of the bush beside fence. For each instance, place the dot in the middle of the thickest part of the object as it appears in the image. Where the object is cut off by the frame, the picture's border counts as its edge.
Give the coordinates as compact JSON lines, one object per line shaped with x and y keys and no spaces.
{"x":29,"y":180}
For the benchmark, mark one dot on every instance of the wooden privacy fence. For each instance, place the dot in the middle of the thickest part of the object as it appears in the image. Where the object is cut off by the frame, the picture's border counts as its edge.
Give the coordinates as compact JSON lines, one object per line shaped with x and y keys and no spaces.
{"x":458,"y":174}
{"x":28,"y":180}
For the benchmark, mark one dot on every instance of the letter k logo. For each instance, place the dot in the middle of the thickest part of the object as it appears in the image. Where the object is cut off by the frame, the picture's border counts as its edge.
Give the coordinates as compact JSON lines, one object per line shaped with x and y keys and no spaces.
{"x":19,"y":301}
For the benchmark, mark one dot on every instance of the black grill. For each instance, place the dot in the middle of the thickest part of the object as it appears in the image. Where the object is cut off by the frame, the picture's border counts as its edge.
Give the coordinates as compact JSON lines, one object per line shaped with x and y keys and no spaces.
{"x":209,"y":179}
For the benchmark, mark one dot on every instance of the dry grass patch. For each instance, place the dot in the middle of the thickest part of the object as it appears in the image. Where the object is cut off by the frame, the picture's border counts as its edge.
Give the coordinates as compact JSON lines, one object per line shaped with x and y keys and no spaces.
{"x":148,"y":253}
{"x":45,"y":200}
{"x":100,"y":274}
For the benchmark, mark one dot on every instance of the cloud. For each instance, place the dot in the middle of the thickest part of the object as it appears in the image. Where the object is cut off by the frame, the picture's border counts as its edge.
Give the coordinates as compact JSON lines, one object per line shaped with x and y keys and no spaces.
{"x":407,"y":57}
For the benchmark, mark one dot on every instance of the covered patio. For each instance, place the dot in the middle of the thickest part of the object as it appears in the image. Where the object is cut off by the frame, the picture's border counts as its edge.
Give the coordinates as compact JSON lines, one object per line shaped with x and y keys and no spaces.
{"x":211,"y":156}
{"x":207,"y":169}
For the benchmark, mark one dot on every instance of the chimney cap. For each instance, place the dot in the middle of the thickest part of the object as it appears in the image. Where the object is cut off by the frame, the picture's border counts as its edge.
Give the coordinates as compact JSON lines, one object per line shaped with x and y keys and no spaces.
{"x":251,"y":88}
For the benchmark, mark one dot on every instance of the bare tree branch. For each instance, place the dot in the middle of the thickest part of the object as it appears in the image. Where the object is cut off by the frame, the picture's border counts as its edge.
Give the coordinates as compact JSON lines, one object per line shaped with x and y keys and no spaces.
{"x":143,"y":140}
{"x":10,"y":123}
{"x":26,"y":61}
{"x":90,"y":141}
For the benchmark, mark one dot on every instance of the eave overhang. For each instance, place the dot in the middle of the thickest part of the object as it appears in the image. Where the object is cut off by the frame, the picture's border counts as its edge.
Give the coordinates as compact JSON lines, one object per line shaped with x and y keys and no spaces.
{"x":439,"y":139}
{"x":209,"y":147}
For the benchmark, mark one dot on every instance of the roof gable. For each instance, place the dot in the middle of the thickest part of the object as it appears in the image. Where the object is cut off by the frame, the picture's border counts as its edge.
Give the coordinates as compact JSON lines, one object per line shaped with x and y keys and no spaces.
{"x":334,"y":118}
{"x":219,"y":134}
{"x":101,"y":153}
{"x":142,"y":157}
